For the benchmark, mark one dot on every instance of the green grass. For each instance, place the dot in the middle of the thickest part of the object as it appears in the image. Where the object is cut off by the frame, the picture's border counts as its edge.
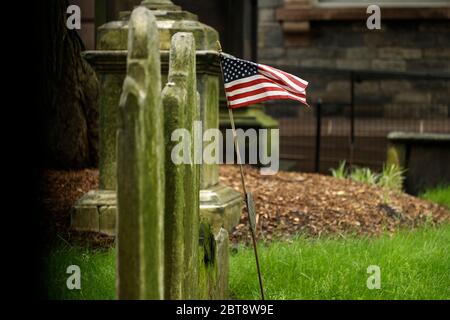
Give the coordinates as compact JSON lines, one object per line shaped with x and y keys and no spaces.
{"x":439,"y":195}
{"x":340,"y":172}
{"x":364,"y":175}
{"x":390,"y":178}
{"x":97,"y":273}
{"x":414,"y":265}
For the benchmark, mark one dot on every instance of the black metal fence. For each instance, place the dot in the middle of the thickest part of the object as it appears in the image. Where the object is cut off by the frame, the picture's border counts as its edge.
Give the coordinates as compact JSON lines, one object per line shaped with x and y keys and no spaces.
{"x":353,"y":112}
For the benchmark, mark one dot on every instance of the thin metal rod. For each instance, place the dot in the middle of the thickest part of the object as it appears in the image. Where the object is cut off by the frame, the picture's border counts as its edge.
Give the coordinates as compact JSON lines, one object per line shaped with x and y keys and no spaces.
{"x":238,"y":154}
{"x":241,"y":169}
{"x":238,"y":151}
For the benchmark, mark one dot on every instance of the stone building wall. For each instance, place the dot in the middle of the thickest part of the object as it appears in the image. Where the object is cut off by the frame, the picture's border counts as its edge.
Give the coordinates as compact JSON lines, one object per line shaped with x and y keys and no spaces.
{"x":411,"y":45}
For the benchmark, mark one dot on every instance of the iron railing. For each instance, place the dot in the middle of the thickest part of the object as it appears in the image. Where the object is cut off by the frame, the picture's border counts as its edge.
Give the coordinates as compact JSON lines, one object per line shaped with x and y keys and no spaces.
{"x":377,"y":127}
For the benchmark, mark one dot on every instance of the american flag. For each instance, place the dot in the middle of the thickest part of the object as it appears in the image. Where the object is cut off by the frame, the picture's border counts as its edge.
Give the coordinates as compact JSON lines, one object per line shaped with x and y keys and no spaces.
{"x":248,"y":83}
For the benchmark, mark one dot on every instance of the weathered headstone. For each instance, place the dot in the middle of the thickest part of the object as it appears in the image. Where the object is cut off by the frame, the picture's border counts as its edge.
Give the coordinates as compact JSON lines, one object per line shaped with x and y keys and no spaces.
{"x":181,"y":107}
{"x":140,"y":166}
{"x":220,"y":202}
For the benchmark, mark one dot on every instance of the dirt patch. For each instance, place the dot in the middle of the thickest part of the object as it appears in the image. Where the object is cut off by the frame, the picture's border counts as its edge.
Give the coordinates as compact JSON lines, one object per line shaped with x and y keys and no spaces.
{"x":287,"y":203}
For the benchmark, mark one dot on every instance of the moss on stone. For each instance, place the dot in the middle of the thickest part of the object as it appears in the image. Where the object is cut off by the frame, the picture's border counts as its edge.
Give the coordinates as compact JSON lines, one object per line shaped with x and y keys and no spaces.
{"x":140,"y":167}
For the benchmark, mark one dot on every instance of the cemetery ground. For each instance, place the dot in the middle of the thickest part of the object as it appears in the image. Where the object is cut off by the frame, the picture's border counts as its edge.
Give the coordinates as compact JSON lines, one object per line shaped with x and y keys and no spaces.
{"x":317,"y":236}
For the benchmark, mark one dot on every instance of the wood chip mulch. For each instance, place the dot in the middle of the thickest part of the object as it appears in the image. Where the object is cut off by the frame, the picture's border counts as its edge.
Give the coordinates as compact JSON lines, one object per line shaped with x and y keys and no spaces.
{"x":287,"y":203}
{"x":290,"y":203}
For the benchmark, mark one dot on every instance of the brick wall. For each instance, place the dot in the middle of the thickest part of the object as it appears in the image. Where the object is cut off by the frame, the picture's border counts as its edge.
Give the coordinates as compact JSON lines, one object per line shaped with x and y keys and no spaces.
{"x":418,"y":45}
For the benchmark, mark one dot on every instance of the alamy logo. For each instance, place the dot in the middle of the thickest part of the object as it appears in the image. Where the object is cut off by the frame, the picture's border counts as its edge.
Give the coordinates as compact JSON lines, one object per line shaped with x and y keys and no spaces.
{"x":374,"y":280}
{"x":208,"y":147}
{"x":374,"y":20}
{"x":74,"y":280}
{"x":74,"y":18}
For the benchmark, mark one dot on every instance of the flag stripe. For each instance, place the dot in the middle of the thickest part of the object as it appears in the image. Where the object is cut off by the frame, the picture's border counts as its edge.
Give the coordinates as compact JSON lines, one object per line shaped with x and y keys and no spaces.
{"x":302,"y":83}
{"x":260,"y":84}
{"x":299,"y":82}
{"x":259,"y":90}
{"x":281,"y":77}
{"x":242,"y":83}
{"x":257,"y":80}
{"x":265,"y":94}
{"x":282,"y":84}
{"x":263,"y":80}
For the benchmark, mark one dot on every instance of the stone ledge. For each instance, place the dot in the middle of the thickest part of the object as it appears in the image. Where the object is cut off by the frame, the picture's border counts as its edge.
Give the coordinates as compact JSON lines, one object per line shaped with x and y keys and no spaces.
{"x":410,"y":137}
{"x":221,"y":207}
{"x":99,"y":198}
{"x":115,"y":61}
{"x":96,"y":211}
{"x":424,"y":156}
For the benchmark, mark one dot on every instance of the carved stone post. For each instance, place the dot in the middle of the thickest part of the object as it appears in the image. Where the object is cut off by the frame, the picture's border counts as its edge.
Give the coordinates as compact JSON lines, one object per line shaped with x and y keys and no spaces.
{"x":181,"y":107}
{"x":140,"y":166}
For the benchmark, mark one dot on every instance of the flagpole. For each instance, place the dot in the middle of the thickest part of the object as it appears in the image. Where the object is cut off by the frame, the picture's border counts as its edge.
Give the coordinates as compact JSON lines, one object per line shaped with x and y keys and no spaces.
{"x":241,"y":169}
